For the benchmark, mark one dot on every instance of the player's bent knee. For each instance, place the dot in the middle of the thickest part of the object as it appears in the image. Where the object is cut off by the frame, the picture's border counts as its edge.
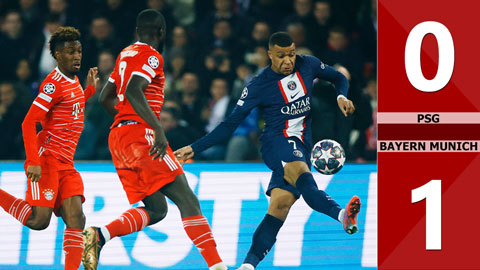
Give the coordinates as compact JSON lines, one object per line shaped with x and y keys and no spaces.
{"x":157,"y":216}
{"x":39,"y":224}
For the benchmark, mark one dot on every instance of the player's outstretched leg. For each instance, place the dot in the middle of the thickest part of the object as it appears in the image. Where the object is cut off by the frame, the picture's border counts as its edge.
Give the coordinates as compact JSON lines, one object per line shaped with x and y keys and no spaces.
{"x":133,"y":220}
{"x":16,"y":207}
{"x":320,"y":201}
{"x":195,"y":224}
{"x":266,"y":233}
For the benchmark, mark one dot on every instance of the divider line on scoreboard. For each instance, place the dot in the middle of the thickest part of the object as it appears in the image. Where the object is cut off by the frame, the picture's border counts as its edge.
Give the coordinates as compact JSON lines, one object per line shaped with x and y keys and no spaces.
{"x":428,"y":117}
{"x":428,"y":146}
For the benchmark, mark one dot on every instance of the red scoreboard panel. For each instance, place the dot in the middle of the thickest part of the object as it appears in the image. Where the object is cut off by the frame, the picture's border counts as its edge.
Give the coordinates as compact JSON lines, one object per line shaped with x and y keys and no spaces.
{"x":428,"y":134}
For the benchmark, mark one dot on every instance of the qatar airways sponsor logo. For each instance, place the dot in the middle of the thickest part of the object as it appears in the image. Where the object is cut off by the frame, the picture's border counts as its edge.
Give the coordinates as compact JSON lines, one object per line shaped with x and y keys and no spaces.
{"x":297,"y":107}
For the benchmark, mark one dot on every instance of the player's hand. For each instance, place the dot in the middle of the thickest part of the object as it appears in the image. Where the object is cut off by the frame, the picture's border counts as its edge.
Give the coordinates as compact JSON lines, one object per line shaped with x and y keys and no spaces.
{"x":34,"y":172}
{"x":159,"y":147}
{"x":184,"y":153}
{"x":92,"y":78}
{"x":346,"y":106}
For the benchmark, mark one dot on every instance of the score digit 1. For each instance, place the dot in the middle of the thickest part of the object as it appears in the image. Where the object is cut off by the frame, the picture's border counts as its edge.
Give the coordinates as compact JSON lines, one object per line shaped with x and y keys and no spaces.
{"x":432,"y":192}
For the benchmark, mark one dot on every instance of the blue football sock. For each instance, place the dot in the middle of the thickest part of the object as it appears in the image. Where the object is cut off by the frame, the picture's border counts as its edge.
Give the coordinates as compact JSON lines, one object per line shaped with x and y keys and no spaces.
{"x":317,"y":199}
{"x":263,"y":239}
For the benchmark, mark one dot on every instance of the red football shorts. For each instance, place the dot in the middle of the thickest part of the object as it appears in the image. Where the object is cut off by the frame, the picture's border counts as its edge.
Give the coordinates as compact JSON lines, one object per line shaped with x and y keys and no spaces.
{"x":140,"y":175}
{"x":58,"y":182}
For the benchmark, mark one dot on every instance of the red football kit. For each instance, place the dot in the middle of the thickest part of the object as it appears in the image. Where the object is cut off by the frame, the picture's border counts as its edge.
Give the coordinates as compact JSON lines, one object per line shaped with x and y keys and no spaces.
{"x":131,"y":137}
{"x":59,"y":107}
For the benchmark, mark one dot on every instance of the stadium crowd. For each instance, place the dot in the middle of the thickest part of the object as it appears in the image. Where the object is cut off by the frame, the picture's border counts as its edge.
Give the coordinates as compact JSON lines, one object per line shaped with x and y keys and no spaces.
{"x":213,"y":49}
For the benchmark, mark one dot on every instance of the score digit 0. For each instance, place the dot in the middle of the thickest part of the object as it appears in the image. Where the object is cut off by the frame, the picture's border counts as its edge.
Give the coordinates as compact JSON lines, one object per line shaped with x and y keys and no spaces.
{"x":446,"y":56}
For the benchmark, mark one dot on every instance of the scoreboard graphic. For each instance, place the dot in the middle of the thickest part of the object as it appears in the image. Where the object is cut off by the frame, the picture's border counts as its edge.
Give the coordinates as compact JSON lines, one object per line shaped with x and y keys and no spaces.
{"x":428,"y":134}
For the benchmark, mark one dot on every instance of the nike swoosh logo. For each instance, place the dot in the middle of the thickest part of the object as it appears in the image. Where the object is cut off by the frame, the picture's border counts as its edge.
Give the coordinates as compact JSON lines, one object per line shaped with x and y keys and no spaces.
{"x":293,"y":96}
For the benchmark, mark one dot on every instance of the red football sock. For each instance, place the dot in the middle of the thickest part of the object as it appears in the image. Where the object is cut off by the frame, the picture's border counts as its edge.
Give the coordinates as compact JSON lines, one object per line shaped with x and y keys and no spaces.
{"x":133,"y":220}
{"x":18,"y":208}
{"x":73,"y":247}
{"x":198,"y":230}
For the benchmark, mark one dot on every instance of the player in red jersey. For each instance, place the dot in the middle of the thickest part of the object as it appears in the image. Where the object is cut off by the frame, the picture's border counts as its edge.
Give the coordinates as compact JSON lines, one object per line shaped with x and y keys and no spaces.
{"x":53,"y":183}
{"x":134,"y":96}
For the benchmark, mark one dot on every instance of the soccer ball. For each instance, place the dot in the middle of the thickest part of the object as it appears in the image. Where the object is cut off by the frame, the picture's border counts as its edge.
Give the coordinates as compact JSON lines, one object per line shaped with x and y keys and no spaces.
{"x":328,"y":156}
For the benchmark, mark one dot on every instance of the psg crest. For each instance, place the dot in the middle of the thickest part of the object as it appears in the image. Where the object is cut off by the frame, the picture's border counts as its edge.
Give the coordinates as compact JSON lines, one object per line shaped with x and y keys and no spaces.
{"x":292,"y":85}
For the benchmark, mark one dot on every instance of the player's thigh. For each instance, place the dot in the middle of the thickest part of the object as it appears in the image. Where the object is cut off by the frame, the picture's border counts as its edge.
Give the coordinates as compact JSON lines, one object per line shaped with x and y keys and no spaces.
{"x":293,"y":170}
{"x":280,"y":203}
{"x":72,"y":213}
{"x":280,"y":152}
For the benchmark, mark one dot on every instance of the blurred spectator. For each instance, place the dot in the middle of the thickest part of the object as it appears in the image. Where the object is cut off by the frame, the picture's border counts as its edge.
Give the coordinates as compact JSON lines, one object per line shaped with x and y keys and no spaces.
{"x":271,"y":11}
{"x":244,"y":143}
{"x":244,"y":75}
{"x":106,"y":64}
{"x":12,"y":44}
{"x":365,"y":146}
{"x":191,"y":101}
{"x":217,"y":64}
{"x":26,"y":89}
{"x":183,"y":11}
{"x":223,"y":10}
{"x":30,"y":11}
{"x":318,"y":31}
{"x":101,"y":37}
{"x":177,"y":135}
{"x":258,"y":59}
{"x":121,"y":18}
{"x":43,"y":62}
{"x":224,"y":38}
{"x":260,"y":35}
{"x":341,"y":51}
{"x":298,"y":34}
{"x":215,"y":113}
{"x":12,"y":112}
{"x":368,"y":37}
{"x":303,"y":14}
{"x":68,"y":15}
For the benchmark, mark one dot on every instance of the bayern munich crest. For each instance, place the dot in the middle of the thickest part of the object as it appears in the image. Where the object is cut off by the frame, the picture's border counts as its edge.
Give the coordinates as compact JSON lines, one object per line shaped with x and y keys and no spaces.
{"x":48,"y":193}
{"x":292,"y":85}
{"x":49,"y":88}
{"x":153,"y":61}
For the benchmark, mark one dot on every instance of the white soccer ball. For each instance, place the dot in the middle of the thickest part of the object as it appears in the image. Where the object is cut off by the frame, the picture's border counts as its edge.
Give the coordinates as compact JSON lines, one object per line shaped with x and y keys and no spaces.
{"x":328,"y":156}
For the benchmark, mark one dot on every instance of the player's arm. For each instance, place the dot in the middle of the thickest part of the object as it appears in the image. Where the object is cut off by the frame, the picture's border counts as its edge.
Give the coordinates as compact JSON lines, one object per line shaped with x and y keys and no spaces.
{"x":136,"y":97}
{"x":92,"y":81}
{"x":325,"y":72}
{"x":223,"y":131}
{"x":37,"y":112}
{"x":108,"y":98}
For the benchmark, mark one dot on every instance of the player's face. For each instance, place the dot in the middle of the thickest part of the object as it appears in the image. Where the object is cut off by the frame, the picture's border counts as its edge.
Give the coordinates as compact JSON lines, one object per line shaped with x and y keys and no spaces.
{"x":283,"y":59}
{"x":70,"y":57}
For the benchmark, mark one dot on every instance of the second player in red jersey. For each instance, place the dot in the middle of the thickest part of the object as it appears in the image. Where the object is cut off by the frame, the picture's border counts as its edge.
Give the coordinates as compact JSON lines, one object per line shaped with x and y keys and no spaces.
{"x":53,"y":183}
{"x":134,"y":95}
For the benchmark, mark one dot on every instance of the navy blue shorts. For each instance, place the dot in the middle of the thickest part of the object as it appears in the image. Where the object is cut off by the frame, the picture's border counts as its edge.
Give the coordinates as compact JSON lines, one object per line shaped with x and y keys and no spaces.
{"x":279,"y":151}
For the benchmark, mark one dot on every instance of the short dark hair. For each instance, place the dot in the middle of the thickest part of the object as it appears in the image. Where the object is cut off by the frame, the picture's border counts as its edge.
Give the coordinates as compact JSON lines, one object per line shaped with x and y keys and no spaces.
{"x":62,"y":35}
{"x":149,"y":20}
{"x":281,"y":39}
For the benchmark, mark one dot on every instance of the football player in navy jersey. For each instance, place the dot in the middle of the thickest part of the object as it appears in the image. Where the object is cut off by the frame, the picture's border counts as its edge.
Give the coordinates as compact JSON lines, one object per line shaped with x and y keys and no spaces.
{"x":283,"y":91}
